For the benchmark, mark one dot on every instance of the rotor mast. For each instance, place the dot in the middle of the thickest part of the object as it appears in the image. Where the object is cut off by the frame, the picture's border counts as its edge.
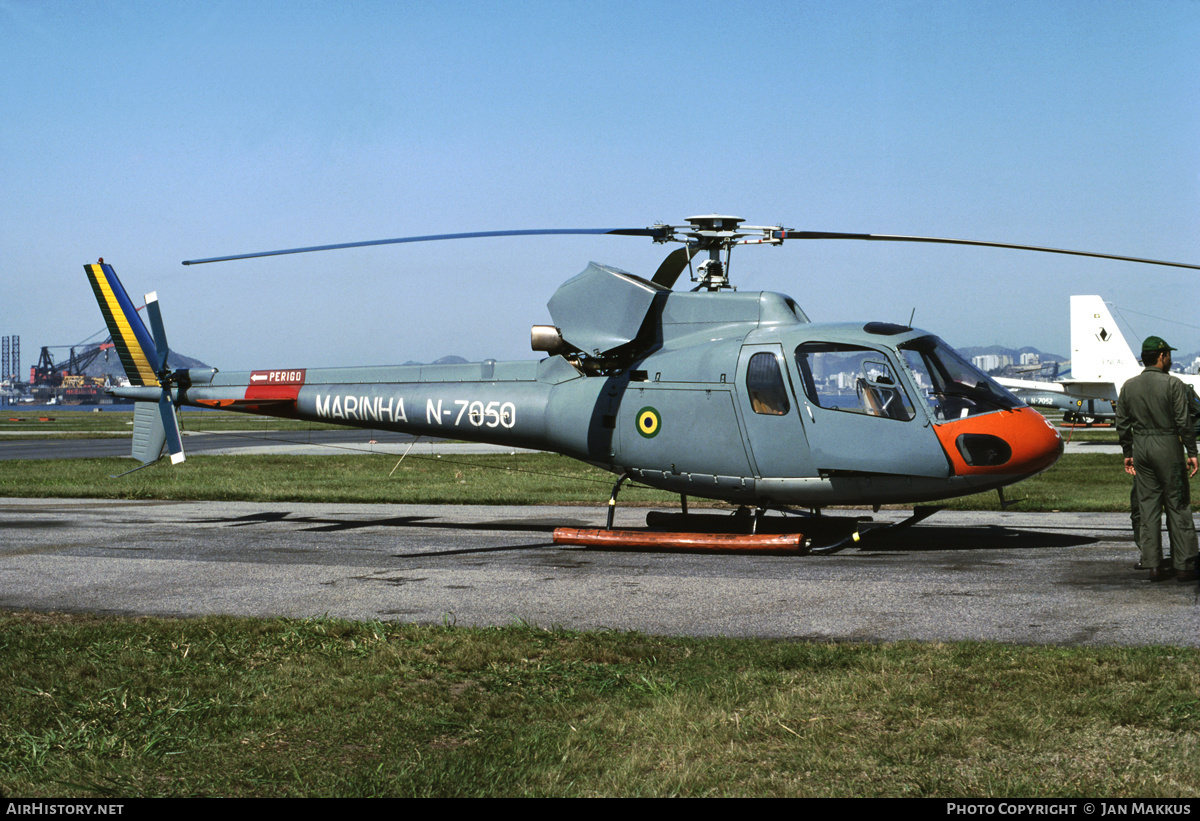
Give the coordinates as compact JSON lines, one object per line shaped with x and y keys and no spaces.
{"x":714,"y":233}
{"x":717,"y":233}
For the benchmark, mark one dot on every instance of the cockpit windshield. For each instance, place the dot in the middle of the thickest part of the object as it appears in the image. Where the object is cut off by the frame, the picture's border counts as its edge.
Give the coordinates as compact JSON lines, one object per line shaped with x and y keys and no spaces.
{"x":953,"y":387}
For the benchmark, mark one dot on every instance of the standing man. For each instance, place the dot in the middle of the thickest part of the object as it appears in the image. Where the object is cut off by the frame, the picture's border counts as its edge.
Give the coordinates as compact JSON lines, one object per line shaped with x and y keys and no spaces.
{"x":1154,"y":423}
{"x":1135,"y":515}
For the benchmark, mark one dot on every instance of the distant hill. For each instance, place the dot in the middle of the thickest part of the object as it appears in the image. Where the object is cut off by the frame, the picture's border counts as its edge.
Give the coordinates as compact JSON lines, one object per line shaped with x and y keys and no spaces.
{"x":445,"y":360}
{"x":108,"y":363}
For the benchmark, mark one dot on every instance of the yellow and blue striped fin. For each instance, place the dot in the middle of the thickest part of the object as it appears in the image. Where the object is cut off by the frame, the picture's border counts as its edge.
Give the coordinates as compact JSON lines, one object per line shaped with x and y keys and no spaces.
{"x":133,"y":342}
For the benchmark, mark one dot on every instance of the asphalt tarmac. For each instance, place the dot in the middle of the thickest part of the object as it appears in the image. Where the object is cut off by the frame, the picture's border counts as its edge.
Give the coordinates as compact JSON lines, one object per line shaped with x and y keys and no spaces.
{"x":1063,"y":578}
{"x":1057,"y":578}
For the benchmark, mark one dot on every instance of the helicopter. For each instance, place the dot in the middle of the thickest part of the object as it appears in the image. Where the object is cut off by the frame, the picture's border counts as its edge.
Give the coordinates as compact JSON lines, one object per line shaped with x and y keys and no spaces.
{"x":713,"y":393}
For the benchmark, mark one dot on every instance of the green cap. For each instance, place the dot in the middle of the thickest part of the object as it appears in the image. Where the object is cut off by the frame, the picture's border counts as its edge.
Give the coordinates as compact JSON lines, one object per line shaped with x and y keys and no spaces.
{"x":1156,"y":343}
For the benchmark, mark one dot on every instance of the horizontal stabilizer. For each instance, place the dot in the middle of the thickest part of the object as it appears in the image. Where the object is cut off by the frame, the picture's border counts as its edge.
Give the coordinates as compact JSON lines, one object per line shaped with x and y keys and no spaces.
{"x":1087,"y":389}
{"x":1075,"y":388}
{"x":243,"y":403}
{"x":1030,"y":385}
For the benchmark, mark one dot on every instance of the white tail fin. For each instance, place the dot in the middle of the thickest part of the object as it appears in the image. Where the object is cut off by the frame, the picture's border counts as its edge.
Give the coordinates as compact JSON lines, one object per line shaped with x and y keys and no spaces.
{"x":1099,"y":352}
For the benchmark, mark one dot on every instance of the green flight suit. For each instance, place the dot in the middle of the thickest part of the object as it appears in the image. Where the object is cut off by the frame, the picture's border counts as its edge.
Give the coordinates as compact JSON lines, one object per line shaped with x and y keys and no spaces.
{"x":1154,"y":423}
{"x":1135,"y":515}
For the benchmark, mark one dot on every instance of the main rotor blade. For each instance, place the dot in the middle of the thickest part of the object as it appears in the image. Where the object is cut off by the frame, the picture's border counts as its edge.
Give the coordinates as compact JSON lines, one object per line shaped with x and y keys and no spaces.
{"x":788,"y":234}
{"x":660,"y":232}
{"x":673,"y":265}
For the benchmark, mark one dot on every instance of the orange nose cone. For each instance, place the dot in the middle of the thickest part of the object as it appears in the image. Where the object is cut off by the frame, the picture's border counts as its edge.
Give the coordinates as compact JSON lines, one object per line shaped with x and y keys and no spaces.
{"x":1018,"y":442}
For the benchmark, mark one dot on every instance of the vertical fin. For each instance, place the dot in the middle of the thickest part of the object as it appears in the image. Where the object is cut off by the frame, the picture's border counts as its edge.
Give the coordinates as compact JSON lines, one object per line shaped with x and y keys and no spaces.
{"x":1099,"y":352}
{"x":149,"y":435}
{"x":134,"y":344}
{"x":144,"y":358}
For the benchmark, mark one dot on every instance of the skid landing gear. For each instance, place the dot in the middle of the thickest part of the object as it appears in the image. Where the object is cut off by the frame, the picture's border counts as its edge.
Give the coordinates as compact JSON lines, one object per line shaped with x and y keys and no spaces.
{"x":612,"y":500}
{"x":742,"y":521}
{"x":745,"y":530}
{"x":919,"y":514}
{"x":690,"y":536}
{"x":657,"y":541}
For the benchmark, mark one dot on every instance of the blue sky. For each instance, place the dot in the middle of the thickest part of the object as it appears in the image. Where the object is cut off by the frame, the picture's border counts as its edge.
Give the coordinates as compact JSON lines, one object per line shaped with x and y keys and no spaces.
{"x":149,"y":133}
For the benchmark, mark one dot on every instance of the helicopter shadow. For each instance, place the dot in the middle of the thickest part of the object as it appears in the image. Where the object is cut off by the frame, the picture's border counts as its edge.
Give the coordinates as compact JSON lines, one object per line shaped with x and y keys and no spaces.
{"x":836,"y":533}
{"x":933,"y":538}
{"x":878,"y":539}
{"x":331,"y":524}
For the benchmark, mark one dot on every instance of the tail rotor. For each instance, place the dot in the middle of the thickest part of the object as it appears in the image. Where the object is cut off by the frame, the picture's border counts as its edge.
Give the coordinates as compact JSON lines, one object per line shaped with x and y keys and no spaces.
{"x":166,"y":404}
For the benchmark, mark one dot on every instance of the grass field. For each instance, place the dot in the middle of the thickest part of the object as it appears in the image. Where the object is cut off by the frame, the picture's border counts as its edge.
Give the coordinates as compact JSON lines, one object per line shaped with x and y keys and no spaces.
{"x":1077,"y":482}
{"x":240,"y":707}
{"x":18,"y":423}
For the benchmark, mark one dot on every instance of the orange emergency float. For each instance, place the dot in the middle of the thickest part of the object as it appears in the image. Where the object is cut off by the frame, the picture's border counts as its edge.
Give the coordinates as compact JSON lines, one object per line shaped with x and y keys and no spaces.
{"x":786,"y":543}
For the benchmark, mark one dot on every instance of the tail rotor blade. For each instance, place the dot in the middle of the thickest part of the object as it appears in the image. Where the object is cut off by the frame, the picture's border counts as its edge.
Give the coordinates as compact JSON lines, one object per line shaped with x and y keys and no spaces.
{"x":166,"y":406}
{"x":158,"y":330}
{"x":170,"y":422}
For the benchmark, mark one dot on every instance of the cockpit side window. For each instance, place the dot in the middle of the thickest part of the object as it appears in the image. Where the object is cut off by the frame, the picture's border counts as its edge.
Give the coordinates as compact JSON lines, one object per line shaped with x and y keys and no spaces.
{"x":852,"y":379}
{"x":953,"y":387}
{"x":764,"y":383}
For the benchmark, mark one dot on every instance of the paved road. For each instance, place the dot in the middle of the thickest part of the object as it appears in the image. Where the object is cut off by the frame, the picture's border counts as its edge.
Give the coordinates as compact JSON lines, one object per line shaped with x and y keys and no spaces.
{"x":1016,"y":577}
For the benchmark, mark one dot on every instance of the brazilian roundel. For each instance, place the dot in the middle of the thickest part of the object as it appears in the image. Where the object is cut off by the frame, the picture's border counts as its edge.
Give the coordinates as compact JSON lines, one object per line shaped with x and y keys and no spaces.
{"x":649,"y":423}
